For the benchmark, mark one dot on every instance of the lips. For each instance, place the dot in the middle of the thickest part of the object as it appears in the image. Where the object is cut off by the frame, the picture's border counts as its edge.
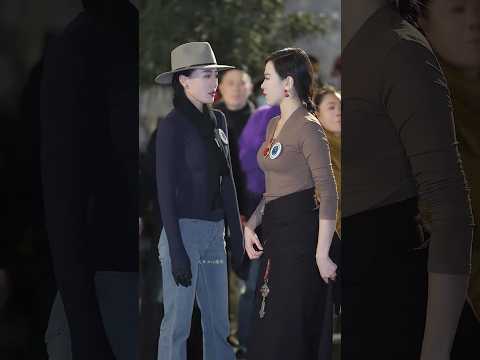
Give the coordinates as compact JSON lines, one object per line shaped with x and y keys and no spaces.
{"x":212,"y":93}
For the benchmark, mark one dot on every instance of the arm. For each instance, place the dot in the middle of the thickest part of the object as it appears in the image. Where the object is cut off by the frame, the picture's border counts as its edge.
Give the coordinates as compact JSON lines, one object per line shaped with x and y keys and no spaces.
{"x":423,"y":119}
{"x":167,"y":143}
{"x":316,"y":151}
{"x":230,"y":203}
{"x":256,"y":218}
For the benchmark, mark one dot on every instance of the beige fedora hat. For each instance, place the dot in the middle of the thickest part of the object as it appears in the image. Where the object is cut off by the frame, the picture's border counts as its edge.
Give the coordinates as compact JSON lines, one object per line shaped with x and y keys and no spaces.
{"x":192,"y":55}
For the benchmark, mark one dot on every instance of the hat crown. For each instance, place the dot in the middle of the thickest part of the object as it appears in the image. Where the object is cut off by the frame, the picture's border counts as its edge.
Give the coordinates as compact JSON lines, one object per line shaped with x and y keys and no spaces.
{"x":192,"y":54}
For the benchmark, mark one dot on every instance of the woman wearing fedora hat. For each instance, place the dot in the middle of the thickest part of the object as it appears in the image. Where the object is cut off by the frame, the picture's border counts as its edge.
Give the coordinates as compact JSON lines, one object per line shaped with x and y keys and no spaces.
{"x":298,"y":225}
{"x":196,"y":193}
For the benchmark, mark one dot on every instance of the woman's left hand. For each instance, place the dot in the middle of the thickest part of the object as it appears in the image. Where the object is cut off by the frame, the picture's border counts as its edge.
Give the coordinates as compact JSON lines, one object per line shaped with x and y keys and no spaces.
{"x":327,"y":268}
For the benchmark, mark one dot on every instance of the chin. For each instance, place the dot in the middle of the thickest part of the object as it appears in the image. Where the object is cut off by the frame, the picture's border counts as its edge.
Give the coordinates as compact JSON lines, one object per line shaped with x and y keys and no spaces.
{"x":270,"y":102}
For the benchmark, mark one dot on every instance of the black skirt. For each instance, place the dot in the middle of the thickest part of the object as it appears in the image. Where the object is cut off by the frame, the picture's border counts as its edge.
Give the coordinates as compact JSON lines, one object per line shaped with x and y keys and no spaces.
{"x":295,"y":305}
{"x":384,"y":284}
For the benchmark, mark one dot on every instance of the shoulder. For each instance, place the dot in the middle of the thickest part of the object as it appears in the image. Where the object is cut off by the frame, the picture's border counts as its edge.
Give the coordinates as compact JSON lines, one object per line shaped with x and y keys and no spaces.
{"x":410,"y":55}
{"x":408,"y":35}
{"x":219,"y":115}
{"x":272,"y":122}
{"x":309,"y":127}
{"x":171,"y":122}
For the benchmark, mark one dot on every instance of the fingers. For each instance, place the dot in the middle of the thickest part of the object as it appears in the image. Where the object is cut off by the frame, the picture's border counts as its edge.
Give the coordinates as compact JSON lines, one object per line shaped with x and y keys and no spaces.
{"x":184,"y":279}
{"x":257,"y":242}
{"x":251,"y":240}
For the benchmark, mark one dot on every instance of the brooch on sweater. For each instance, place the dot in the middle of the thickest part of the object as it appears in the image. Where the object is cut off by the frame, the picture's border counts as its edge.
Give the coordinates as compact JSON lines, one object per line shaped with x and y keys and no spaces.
{"x":272,"y":151}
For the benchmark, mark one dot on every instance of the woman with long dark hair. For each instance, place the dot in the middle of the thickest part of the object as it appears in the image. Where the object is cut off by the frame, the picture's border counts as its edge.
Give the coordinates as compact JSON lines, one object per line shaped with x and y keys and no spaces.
{"x":196,"y":193}
{"x":297,"y":225}
{"x":403,"y":288}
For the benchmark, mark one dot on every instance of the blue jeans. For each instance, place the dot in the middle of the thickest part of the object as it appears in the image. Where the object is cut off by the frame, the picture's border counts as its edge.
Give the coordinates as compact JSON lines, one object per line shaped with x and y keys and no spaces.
{"x":205,"y":246}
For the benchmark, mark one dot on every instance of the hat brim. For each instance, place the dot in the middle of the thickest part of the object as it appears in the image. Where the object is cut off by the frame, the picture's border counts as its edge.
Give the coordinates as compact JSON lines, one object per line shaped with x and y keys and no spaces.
{"x":167,"y":77}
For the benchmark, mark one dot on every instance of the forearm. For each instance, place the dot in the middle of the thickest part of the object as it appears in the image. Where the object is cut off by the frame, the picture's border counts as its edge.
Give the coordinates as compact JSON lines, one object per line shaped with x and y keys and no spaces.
{"x":256,"y":218}
{"x":326,"y":229}
{"x":446,"y":298}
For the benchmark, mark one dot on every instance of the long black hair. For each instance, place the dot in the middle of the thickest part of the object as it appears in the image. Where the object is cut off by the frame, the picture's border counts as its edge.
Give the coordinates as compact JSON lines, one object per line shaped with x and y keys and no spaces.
{"x":411,"y":10}
{"x":178,"y":90}
{"x":294,"y":62}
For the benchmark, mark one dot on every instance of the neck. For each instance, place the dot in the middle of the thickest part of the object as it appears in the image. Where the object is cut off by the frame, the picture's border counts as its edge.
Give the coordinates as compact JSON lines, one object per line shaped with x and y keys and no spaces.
{"x":354,"y":14}
{"x":197,"y":103}
{"x":288,"y":106}
{"x":235,"y":107}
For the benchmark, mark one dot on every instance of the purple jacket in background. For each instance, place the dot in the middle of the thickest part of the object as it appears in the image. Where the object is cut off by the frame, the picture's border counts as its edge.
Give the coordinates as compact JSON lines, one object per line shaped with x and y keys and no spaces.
{"x":252,"y":137}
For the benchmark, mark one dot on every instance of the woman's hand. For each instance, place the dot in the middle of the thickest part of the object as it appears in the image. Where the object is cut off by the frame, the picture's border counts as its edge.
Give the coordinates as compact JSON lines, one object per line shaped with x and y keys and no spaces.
{"x":251,"y":239}
{"x":327,"y":268}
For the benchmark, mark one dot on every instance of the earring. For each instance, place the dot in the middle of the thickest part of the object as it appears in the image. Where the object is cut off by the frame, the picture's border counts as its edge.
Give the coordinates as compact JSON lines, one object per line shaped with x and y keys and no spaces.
{"x":286,"y":93}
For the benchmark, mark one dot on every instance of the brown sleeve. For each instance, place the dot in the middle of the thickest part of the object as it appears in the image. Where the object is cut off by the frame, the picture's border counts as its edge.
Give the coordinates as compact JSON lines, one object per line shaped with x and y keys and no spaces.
{"x":417,"y":100}
{"x":315,"y":148}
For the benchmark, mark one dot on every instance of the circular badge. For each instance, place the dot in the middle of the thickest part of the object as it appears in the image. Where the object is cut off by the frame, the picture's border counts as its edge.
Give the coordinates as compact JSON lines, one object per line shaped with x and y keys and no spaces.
{"x":223,"y":136}
{"x":275,"y":150}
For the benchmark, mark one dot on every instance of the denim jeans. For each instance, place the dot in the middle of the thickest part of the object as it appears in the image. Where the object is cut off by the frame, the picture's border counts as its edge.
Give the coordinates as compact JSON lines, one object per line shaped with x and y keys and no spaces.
{"x":205,"y":246}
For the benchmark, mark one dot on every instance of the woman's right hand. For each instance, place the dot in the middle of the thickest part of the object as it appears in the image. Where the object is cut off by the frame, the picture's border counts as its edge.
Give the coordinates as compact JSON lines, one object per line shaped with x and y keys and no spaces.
{"x":251,"y":239}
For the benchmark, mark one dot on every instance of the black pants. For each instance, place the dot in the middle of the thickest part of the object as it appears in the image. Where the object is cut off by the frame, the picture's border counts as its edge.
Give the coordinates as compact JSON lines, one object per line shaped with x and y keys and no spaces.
{"x":384,"y":284}
{"x":295,"y":305}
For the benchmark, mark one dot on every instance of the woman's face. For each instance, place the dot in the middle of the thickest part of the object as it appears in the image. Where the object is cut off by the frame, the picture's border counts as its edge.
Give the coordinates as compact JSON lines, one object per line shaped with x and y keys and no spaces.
{"x":273,"y":86}
{"x":235,"y":87}
{"x":330,"y":114}
{"x":453,"y":29}
{"x":201,"y":85}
